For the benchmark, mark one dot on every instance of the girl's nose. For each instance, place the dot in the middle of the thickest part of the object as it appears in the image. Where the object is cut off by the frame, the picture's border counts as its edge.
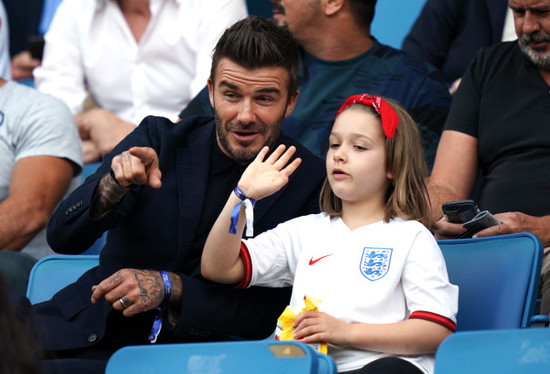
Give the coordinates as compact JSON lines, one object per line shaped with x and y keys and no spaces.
{"x":340,"y":154}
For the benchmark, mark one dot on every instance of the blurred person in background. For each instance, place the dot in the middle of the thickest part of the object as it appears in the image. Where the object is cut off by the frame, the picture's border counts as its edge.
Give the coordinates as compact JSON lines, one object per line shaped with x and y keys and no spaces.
{"x":133,"y":58}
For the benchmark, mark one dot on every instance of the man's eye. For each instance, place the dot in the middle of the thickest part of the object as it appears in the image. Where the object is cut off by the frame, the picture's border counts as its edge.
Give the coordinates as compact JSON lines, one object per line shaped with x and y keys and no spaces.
{"x":519,"y":12}
{"x":265,"y":99}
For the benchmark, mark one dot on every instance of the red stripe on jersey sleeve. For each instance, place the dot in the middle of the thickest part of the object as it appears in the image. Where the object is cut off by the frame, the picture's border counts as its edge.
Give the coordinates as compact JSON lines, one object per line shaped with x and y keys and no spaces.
{"x":247,"y":264}
{"x":428,"y":316}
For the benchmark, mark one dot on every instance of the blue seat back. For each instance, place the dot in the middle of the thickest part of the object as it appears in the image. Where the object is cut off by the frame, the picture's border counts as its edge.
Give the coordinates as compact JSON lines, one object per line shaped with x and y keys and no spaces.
{"x":243,"y":357}
{"x":498,"y":279}
{"x":49,"y":8}
{"x":509,"y":351}
{"x":52,"y":273}
{"x":97,"y":246}
{"x":393,"y":20}
{"x":89,"y":169}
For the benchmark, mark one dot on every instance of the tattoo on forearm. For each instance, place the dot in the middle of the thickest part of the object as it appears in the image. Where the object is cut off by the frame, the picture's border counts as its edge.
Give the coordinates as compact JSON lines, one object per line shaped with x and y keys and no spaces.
{"x":151,"y":288}
{"x":110,"y":193}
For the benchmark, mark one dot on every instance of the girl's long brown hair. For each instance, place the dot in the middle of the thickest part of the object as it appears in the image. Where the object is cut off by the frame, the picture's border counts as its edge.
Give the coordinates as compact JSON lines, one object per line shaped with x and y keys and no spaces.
{"x":407,"y":194}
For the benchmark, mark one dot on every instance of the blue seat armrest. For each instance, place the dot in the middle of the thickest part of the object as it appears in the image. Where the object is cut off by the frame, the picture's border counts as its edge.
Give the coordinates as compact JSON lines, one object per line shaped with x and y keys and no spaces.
{"x":539,"y":320}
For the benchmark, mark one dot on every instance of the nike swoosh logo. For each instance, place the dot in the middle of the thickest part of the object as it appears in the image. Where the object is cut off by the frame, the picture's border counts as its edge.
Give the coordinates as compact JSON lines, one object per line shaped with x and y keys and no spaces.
{"x":312,"y":261}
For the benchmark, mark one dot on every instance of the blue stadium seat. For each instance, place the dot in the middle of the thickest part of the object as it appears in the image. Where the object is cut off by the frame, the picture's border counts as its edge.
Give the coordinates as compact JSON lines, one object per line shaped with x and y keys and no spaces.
{"x":97,"y":246}
{"x":498,"y":279}
{"x":244,"y":357}
{"x":48,"y":11}
{"x":89,"y":169}
{"x":509,"y":351}
{"x":52,"y":273}
{"x":393,"y":20}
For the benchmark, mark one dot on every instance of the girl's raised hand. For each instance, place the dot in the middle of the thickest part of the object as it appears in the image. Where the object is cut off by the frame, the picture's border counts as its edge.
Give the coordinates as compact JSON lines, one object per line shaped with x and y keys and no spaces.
{"x":263,"y":178}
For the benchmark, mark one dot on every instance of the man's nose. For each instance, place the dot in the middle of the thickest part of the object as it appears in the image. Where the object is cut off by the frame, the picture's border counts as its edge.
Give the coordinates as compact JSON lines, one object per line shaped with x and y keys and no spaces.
{"x":531,"y":23}
{"x":246,"y":112}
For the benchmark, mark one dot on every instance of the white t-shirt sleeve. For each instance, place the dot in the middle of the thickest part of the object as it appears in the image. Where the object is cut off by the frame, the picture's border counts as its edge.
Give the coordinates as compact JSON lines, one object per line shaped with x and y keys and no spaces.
{"x":274,"y":254}
{"x":425,"y":280}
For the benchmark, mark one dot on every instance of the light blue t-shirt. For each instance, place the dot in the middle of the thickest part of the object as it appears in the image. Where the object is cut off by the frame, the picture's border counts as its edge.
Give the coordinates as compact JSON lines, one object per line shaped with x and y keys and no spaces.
{"x":35,"y":124}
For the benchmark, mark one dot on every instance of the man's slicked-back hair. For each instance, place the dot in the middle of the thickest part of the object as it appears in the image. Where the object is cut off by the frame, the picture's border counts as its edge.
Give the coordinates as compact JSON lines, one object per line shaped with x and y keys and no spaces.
{"x":363,"y":11}
{"x":256,"y":42}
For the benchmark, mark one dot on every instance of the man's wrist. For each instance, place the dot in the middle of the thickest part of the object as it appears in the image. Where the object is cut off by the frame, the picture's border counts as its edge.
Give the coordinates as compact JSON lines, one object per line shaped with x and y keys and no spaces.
{"x":167,"y":289}
{"x":114,"y":181}
{"x":109,"y":193}
{"x":174,"y":308}
{"x":176,"y":292}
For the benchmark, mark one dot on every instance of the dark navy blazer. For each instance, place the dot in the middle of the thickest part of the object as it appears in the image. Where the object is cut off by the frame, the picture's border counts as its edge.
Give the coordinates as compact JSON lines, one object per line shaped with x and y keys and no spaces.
{"x":154,"y":229}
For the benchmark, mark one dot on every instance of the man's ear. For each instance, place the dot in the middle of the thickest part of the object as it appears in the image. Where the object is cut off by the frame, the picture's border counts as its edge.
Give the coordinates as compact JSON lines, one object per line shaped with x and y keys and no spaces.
{"x":291,"y":103}
{"x":211,"y":91}
{"x":331,"y":7}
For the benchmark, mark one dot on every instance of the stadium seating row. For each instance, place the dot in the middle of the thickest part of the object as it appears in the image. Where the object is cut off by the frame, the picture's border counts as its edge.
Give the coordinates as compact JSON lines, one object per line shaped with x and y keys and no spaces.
{"x":498,"y":283}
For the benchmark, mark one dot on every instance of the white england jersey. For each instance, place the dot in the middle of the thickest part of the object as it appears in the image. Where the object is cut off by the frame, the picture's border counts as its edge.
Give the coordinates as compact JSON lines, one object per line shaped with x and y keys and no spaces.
{"x":379,"y":273}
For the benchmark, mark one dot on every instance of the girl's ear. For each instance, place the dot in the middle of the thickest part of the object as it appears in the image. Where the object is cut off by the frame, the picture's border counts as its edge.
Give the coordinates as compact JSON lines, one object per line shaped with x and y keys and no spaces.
{"x":389,"y":175}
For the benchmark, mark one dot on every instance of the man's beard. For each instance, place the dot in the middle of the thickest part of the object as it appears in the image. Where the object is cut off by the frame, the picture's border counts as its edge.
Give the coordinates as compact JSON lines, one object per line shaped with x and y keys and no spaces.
{"x":277,"y":7}
{"x":540,"y":59}
{"x":244,"y":155}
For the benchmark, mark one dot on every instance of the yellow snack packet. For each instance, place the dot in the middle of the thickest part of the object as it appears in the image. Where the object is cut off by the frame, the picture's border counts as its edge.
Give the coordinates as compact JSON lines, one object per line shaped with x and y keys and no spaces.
{"x":284,"y":324}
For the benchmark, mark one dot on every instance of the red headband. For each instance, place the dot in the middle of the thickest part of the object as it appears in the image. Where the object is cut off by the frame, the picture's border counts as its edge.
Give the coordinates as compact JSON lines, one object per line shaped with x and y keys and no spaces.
{"x":388,"y":115}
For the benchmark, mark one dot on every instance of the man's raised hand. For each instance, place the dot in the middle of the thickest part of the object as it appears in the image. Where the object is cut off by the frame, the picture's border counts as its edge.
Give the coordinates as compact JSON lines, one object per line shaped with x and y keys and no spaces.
{"x":137,"y":166}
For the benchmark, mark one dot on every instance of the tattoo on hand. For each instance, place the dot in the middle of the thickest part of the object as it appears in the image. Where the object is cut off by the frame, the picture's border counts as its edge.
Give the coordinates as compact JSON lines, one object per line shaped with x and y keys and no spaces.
{"x":151,"y":288}
{"x":125,"y":156}
{"x":117,"y":278}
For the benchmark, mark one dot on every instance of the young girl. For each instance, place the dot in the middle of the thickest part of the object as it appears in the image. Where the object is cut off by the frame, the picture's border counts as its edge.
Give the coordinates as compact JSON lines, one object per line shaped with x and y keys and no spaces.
{"x":386,"y":301}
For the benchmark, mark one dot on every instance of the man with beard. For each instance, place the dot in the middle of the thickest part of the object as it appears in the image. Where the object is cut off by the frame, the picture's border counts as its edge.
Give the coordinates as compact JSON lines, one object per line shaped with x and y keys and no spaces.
{"x":339,"y":58}
{"x":498,"y":127}
{"x":158,"y":193}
